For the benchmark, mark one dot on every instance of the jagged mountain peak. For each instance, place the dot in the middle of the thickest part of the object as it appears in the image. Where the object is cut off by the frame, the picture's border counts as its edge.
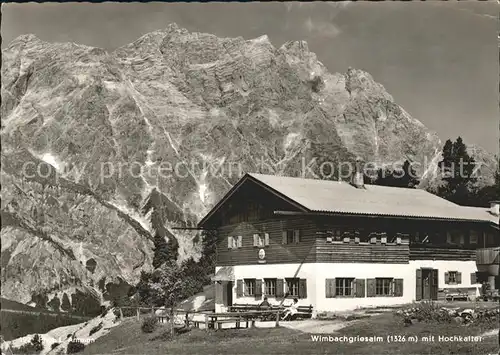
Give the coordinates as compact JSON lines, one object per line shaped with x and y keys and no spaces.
{"x":149,"y":137}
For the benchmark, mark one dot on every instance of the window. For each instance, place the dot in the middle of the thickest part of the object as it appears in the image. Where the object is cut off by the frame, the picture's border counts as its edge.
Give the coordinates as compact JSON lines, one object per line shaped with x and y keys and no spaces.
{"x":249,"y":287}
{"x":270,"y":287}
{"x":455,"y":237}
{"x":473,"y":237}
{"x":260,"y":240}
{"x":234,"y":242}
{"x":344,"y":287}
{"x":291,"y":236}
{"x":292,"y":287}
{"x":453,"y":277}
{"x":384,"y":287}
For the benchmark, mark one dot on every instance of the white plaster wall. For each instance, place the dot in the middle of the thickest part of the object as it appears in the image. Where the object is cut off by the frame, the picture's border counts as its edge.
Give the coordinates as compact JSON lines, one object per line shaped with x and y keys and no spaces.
{"x":316,"y":274}
{"x":362,"y":271}
{"x":279,"y":271}
{"x":465,"y":267}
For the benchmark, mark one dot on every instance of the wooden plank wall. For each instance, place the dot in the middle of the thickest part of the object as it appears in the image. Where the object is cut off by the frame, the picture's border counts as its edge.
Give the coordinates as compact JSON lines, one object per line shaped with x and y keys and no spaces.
{"x":361,"y":253}
{"x":311,"y":248}
{"x":276,"y":252}
{"x":442,"y":254}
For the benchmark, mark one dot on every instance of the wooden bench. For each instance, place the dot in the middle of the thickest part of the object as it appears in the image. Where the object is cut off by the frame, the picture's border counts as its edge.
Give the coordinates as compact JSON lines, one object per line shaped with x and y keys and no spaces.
{"x":216,"y":320}
{"x":302,"y":311}
{"x":457,"y":296}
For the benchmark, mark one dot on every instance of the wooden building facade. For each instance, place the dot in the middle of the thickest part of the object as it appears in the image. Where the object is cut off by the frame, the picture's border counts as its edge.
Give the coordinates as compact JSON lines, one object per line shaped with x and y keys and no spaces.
{"x":275,"y":240}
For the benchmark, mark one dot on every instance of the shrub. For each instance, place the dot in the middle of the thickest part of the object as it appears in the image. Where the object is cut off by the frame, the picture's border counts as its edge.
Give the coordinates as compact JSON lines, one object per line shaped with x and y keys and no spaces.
{"x":149,"y":324}
{"x":95,"y":329}
{"x":427,"y":312}
{"x":54,"y":345}
{"x":37,"y":343}
{"x":75,"y":346}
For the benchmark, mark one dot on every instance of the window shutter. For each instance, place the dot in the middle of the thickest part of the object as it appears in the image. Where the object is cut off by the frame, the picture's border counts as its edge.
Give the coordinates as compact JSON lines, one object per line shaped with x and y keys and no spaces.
{"x":446,"y":278}
{"x":239,"y":288}
{"x":240,"y":241}
{"x":459,"y":277}
{"x":266,"y":238}
{"x":255,"y":240}
{"x":284,"y":237}
{"x":418,"y":293}
{"x":229,"y":242}
{"x":370,"y":287}
{"x":359,"y":288}
{"x":330,"y":288}
{"x":398,"y":288}
{"x":219,"y":294}
{"x":279,"y":288}
{"x":473,"y":278}
{"x":258,"y":288}
{"x":296,"y":236}
{"x":303,"y":288}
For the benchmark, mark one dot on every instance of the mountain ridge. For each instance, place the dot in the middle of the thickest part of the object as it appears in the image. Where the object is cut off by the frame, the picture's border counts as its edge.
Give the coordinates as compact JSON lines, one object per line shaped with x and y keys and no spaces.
{"x":169,"y":121}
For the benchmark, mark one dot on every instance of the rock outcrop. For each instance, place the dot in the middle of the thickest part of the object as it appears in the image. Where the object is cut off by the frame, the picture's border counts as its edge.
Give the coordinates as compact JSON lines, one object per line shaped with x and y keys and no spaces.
{"x":89,"y":137}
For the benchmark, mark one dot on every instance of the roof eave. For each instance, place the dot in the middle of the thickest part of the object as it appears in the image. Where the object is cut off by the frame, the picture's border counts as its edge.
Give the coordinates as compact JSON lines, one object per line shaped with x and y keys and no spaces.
{"x":374,"y":215}
{"x":236,"y":186}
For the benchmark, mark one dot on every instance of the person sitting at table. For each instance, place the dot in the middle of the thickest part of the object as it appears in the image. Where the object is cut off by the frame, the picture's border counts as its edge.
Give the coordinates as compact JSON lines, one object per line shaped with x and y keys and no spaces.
{"x":292,"y":310}
{"x":265,"y":304}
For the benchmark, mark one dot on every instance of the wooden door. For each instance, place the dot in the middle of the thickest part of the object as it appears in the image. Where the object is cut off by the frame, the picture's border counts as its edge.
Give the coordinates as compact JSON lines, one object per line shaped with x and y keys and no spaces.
{"x":434,"y":284}
{"x":229,"y":292}
{"x":426,"y":284}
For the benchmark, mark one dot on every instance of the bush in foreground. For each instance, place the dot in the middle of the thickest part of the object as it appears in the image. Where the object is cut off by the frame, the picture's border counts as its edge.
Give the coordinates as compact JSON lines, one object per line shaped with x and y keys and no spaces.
{"x":149,"y":324}
{"x":75,"y":346}
{"x":433,"y":312}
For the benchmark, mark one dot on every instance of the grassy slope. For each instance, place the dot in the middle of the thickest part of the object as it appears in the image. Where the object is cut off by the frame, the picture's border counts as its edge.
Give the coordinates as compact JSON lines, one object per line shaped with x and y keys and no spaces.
{"x":128,"y":339}
{"x":9,"y":304}
{"x":15,"y":325}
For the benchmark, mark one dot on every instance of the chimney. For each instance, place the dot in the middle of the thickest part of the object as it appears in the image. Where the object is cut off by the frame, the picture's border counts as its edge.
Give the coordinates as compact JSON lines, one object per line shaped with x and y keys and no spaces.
{"x":358,"y":177}
{"x":494,"y":206}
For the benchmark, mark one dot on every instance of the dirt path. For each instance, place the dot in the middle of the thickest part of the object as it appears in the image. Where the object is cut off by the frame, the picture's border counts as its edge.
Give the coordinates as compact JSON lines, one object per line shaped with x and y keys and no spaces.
{"x":317,"y":326}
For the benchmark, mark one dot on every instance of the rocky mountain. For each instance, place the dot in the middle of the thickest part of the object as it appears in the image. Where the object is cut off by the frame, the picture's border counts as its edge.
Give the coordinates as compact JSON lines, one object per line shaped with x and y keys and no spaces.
{"x":97,"y":144}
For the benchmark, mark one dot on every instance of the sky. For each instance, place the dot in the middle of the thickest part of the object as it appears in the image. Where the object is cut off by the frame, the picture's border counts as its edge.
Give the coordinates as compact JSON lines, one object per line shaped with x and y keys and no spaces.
{"x":439,"y":60}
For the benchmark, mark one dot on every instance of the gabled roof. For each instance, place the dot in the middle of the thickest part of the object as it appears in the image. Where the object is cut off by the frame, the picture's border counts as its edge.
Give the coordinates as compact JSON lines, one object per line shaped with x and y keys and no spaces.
{"x":326,"y":196}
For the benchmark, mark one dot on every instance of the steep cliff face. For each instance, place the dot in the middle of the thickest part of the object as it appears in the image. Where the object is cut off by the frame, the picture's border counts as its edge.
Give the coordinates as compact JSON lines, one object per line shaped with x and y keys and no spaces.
{"x":90,"y":138}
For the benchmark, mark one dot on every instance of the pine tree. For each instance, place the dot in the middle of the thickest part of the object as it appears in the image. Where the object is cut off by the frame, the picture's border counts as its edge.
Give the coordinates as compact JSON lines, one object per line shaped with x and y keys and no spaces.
{"x":485,"y":195}
{"x":162,"y":252}
{"x":403,"y":177}
{"x":209,"y":247}
{"x":157,"y":206}
{"x":55,"y":304}
{"x":65,"y":305}
{"x":457,"y":169}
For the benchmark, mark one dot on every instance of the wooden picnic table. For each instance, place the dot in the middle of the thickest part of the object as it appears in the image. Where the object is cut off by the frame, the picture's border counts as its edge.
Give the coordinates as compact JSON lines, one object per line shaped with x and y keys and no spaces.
{"x":234,"y":317}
